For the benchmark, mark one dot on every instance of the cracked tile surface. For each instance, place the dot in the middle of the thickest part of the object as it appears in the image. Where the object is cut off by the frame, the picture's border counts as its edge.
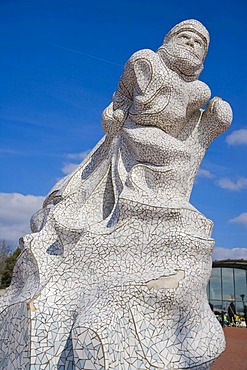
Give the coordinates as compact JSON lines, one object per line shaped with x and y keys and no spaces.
{"x":114,"y":274}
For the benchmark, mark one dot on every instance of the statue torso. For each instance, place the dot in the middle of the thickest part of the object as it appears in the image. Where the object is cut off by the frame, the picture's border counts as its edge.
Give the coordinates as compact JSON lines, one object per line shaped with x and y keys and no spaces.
{"x":161,"y":97}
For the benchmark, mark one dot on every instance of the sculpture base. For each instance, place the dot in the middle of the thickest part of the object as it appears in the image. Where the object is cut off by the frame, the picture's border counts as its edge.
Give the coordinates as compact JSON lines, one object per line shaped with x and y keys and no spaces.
{"x":117,"y":298}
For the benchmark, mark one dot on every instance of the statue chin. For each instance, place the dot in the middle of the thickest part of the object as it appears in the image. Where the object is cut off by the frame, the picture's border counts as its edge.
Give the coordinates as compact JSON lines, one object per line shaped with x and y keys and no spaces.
{"x":181,"y":60}
{"x":189,"y":67}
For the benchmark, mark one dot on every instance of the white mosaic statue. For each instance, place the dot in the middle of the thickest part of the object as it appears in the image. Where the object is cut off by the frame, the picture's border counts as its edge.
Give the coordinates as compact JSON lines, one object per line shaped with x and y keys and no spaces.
{"x":114,"y":275}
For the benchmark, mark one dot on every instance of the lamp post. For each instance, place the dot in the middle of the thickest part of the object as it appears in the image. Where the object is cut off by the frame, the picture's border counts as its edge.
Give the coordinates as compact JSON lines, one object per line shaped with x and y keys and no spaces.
{"x":242,"y":297}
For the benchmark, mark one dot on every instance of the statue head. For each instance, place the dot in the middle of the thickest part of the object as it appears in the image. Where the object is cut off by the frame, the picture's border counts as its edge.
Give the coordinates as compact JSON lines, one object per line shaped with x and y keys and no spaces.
{"x":185,"y":48}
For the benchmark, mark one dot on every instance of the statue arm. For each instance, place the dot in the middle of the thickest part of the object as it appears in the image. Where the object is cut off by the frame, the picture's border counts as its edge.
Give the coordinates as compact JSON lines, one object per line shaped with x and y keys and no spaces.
{"x":114,"y":116}
{"x":136,"y":76}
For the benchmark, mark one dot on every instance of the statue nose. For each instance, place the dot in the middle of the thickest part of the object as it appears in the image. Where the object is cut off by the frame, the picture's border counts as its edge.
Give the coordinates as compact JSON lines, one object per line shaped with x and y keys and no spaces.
{"x":190,"y":42}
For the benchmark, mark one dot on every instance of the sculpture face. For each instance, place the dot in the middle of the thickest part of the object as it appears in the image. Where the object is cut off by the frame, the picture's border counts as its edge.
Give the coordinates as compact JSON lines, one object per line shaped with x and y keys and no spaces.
{"x":191,"y":42}
{"x":190,"y":28}
{"x":185,"y":47}
{"x":185,"y":52}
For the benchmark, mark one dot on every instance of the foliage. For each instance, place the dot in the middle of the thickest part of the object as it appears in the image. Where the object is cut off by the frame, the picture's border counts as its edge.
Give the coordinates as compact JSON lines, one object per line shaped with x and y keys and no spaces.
{"x":5,"y":250}
{"x":8,"y":264}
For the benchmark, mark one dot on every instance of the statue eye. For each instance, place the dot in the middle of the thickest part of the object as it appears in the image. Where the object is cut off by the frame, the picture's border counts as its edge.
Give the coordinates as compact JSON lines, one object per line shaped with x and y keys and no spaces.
{"x":183,"y":36}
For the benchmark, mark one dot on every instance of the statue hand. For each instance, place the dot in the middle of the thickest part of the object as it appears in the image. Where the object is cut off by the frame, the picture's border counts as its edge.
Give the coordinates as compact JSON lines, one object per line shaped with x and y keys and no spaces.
{"x":211,"y":104}
{"x":219,"y":110}
{"x":216,"y":118}
{"x":112,"y":119}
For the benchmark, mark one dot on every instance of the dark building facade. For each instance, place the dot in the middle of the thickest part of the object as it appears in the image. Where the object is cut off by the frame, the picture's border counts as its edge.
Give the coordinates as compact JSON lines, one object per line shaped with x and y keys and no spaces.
{"x":228,"y":283}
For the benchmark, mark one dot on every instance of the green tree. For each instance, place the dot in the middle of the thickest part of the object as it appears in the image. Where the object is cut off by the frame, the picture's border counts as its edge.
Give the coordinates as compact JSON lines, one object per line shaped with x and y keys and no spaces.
{"x":5,"y":250}
{"x":8,"y":269}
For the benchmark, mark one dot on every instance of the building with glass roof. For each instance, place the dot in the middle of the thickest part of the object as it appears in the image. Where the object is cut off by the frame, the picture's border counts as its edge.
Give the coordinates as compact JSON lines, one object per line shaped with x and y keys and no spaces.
{"x":228,"y":283}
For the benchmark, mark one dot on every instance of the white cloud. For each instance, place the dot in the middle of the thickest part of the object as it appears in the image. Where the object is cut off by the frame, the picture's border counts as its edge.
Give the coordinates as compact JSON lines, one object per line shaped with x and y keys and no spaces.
{"x":74,"y":160}
{"x":69,"y":167}
{"x":237,"y":137}
{"x":205,"y":173}
{"x":78,"y":156}
{"x":221,"y":253}
{"x":15,"y":213}
{"x":241,"y":219}
{"x":237,"y":185}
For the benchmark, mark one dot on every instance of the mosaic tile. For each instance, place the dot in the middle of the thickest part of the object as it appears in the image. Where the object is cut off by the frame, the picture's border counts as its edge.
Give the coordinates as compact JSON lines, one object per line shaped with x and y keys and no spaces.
{"x":114,"y":273}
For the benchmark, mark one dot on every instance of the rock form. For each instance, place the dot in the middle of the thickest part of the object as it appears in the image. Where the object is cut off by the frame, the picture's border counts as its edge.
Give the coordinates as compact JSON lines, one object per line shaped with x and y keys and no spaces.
{"x":114,"y":274}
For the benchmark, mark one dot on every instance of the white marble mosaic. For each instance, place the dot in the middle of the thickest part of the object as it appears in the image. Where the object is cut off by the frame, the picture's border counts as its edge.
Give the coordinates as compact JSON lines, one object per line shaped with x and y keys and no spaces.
{"x":114,"y":274}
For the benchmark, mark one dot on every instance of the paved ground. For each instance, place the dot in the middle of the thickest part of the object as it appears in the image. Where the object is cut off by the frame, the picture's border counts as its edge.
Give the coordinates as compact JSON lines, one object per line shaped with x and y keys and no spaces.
{"x":235,"y":356}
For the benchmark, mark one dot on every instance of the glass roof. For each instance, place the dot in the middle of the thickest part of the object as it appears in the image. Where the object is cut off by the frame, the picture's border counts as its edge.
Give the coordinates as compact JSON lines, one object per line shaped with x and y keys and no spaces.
{"x":239,"y":264}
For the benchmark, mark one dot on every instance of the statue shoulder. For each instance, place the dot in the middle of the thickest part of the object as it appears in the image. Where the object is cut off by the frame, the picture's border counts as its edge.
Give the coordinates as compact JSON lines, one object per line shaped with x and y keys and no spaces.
{"x":144,"y":54}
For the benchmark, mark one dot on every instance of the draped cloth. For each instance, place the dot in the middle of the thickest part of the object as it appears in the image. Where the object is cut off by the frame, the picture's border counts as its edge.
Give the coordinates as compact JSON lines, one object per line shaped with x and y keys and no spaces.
{"x":143,"y":165}
{"x":121,"y":221}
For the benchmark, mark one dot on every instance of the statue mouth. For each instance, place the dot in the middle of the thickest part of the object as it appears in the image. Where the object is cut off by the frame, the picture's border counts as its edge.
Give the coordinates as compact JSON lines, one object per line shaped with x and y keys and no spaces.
{"x":191,"y":51}
{"x":184,"y":52}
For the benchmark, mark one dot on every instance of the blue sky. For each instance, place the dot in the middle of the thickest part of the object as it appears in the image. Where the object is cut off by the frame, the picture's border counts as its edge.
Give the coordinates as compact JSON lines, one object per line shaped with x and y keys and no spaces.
{"x":61,"y":62}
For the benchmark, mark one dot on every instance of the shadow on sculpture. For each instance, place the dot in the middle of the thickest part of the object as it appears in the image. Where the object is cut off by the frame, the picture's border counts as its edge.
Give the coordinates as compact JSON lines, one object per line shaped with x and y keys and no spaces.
{"x":119,"y":260}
